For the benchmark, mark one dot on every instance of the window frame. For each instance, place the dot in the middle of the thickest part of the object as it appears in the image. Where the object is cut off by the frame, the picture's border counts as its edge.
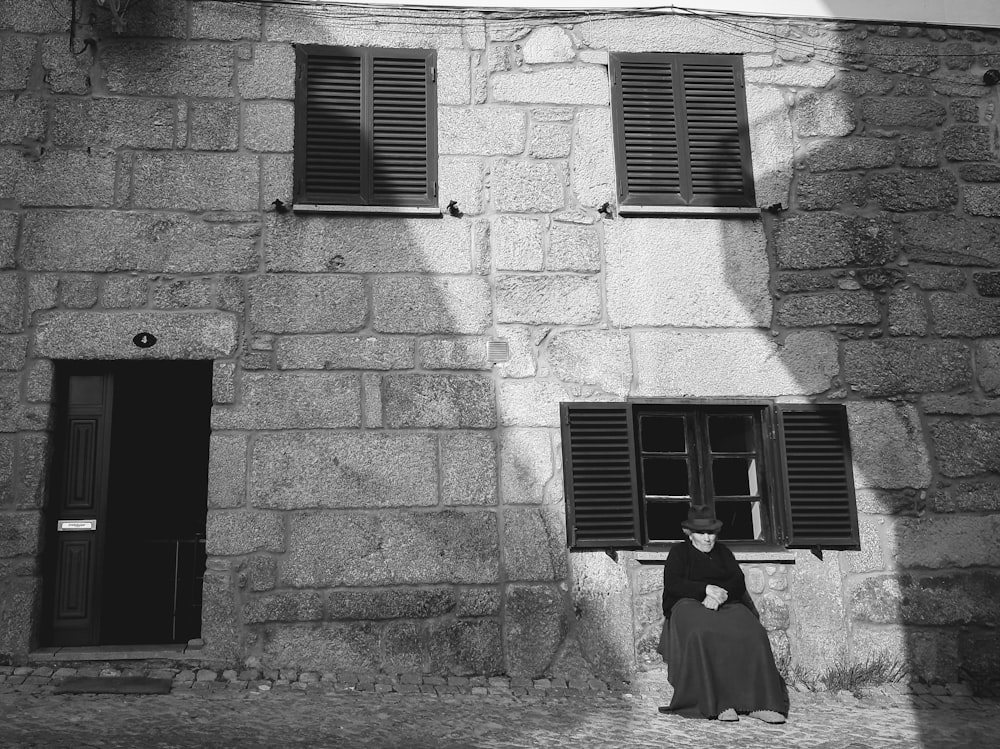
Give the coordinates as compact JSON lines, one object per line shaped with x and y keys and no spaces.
{"x":412,"y":153}
{"x":798,"y":506}
{"x":667,"y":107}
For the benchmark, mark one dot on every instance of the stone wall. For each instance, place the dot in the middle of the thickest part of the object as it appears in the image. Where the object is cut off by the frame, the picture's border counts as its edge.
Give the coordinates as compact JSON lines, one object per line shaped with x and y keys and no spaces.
{"x":381,"y":496}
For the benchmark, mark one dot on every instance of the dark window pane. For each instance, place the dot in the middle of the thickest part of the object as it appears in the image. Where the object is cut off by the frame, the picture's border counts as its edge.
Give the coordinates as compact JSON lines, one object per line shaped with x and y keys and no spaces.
{"x":730,"y":434}
{"x":735,"y":477}
{"x":740,"y":520}
{"x":665,"y":477}
{"x":663,"y":520}
{"x":662,"y":434}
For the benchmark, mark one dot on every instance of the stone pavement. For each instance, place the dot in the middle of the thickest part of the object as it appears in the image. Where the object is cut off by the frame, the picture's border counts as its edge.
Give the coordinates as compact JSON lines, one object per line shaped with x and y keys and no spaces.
{"x":339,"y":713}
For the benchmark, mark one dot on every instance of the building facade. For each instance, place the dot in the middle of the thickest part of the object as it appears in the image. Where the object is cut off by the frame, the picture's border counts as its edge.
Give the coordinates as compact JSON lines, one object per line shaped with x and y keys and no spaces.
{"x":303,"y":397}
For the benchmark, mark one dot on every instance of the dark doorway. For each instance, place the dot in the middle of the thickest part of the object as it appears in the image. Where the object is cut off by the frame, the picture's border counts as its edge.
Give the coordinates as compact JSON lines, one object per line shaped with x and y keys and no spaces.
{"x":127,"y":522}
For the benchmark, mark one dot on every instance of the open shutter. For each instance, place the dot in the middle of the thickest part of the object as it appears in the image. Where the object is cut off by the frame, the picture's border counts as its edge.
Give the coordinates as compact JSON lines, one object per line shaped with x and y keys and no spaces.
{"x":819,"y":480}
{"x":715,"y":131}
{"x":365,"y":127}
{"x":602,"y":507}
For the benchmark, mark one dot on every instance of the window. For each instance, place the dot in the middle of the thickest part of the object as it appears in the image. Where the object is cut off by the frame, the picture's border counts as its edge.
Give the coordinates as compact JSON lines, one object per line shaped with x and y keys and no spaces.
{"x":681,"y":134}
{"x":365,"y":130}
{"x":775,"y":474}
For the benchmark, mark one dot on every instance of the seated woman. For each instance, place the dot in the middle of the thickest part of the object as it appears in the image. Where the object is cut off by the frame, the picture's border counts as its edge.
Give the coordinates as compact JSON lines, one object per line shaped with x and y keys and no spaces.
{"x":719,"y":658}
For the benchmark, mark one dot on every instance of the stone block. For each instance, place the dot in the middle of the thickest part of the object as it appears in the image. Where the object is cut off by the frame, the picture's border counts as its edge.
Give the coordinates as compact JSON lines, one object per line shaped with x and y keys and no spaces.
{"x":468,"y":469}
{"x":290,"y":24}
{"x":522,"y":341}
{"x":19,"y":613}
{"x":7,"y":477}
{"x":531,"y":403}
{"x":599,"y":358}
{"x":269,"y":74}
{"x":316,"y":244}
{"x":914,"y":191}
{"x":344,"y":352}
{"x":950,"y":240}
{"x":77,"y":178}
{"x":155,"y":18}
{"x":988,"y":366}
{"x":893,"y":367}
{"x":771,"y":144}
{"x":43,"y":291}
{"x":65,"y":72}
{"x":982,"y":200}
{"x":888,"y":446}
{"x":959,"y":315}
{"x":13,"y":351}
{"x":161,"y":68}
{"x":78,"y":292}
{"x":825,"y":114}
{"x":528,"y":186}
{"x":17,"y":53}
{"x":466,"y":648}
{"x":931,"y":654}
{"x":919,"y":149}
{"x":825,"y":192}
{"x":791,"y":283}
{"x":968,"y":143}
{"x":950,"y":541}
{"x":479,"y":131}
{"x":580,"y":84}
{"x":268,"y":125}
{"x":966,"y":497}
{"x":9,"y":222}
{"x":573,"y":248}
{"x":307,"y":304}
{"x":214,"y":125}
{"x":182,"y":293}
{"x":392,"y":603}
{"x":454,"y":76}
{"x":979,"y":172}
{"x":555,"y":299}
{"x":851,"y":154}
{"x":20,"y":533}
{"x":901,"y":111}
{"x":288,"y":606}
{"x":12,"y":294}
{"x":35,"y":456}
{"x":124,"y":292}
{"x":831,"y":308}
{"x":431,"y":305}
{"x":463,"y":180}
{"x":343,"y":470}
{"x":233,"y":532}
{"x":967,"y":447}
{"x":466,"y":352}
{"x":347,"y":646}
{"x":906,"y":312}
{"x":939,"y":600}
{"x":115,"y":122}
{"x":593,"y":169}
{"x":687,"y":273}
{"x":526,"y":466}
{"x":22,"y":118}
{"x":222,"y":21}
{"x":832,"y":240}
{"x":293,"y":400}
{"x":391,"y":548}
{"x":516,"y":242}
{"x":964,"y":110}
{"x":550,"y":140}
{"x":227,"y":470}
{"x":917,"y":57}
{"x":109,"y":241}
{"x":437,"y":401}
{"x":534,"y":628}
{"x":548,"y":44}
{"x":196,"y":181}
{"x":108,"y":335}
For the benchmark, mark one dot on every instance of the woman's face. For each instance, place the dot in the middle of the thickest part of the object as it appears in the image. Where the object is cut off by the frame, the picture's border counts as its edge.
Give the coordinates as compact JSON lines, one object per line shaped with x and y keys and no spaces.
{"x":703,"y":541}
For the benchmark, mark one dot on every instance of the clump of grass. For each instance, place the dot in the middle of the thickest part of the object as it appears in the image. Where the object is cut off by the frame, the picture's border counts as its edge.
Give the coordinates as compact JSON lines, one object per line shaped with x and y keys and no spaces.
{"x":846,"y":675}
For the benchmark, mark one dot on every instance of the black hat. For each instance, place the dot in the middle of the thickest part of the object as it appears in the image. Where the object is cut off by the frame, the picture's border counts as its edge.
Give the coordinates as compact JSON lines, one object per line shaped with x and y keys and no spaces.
{"x":701,"y":519}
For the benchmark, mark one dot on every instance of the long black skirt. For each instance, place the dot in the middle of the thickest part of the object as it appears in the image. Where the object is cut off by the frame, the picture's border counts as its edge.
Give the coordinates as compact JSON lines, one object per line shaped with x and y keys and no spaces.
{"x":718,"y":660}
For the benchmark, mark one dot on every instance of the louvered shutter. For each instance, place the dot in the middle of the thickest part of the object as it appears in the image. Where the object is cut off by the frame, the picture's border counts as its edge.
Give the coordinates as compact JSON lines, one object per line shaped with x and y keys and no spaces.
{"x":602,"y":506}
{"x":681,"y":130}
{"x":366,"y":127}
{"x":819,"y":480}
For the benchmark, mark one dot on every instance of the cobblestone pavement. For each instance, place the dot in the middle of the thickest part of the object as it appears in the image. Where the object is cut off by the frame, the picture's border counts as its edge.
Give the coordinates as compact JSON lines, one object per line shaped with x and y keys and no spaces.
{"x":315,"y":714}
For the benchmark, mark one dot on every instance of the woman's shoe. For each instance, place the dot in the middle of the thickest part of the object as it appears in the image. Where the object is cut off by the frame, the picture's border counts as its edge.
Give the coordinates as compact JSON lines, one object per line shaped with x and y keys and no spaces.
{"x":768,"y":716}
{"x":729,"y":715}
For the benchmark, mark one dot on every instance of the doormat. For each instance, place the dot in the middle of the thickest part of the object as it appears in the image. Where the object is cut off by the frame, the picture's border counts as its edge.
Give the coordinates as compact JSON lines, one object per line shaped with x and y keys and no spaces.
{"x":113,"y":685}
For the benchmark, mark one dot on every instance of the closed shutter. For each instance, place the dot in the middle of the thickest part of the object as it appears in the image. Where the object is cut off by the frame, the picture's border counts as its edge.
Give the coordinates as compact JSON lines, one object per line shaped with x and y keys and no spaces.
{"x":365,"y":129}
{"x":681,"y":130}
{"x":602,"y":506}
{"x":818,"y":477}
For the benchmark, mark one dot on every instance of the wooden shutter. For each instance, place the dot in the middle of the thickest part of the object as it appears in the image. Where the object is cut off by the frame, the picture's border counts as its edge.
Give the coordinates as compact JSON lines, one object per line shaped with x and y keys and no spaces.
{"x":602,"y":506}
{"x":365,"y":127}
{"x":681,"y":130}
{"x":819,"y":480}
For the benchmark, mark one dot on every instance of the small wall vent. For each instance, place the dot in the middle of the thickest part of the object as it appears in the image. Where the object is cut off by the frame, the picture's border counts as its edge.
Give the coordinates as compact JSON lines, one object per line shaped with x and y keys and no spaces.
{"x":497,"y":351}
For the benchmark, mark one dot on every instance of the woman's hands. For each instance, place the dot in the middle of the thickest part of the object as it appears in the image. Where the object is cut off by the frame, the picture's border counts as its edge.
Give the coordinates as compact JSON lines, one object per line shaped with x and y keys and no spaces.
{"x":714,"y":597}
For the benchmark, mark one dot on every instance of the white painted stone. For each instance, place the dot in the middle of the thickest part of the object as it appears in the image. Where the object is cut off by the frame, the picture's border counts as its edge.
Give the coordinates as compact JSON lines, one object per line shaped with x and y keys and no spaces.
{"x":746,"y":363}
{"x":532,"y":403}
{"x":482,"y":131}
{"x":670,"y":33}
{"x":592,"y":357}
{"x":888,"y":446}
{"x":687,"y":273}
{"x":523,"y":186}
{"x":550,"y":140}
{"x":581,"y":84}
{"x":462,"y":179}
{"x":526,"y":465}
{"x":517,"y":243}
{"x":814,"y":75}
{"x":771,"y":145}
{"x":548,"y":44}
{"x":521,"y":344}
{"x":593,"y":163}
{"x":454,"y":76}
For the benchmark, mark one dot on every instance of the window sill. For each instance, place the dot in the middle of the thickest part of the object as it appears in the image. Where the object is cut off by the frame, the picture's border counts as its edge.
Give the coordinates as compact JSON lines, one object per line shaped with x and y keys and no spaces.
{"x":691,"y":211}
{"x":749,"y":556}
{"x":429,"y":211}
